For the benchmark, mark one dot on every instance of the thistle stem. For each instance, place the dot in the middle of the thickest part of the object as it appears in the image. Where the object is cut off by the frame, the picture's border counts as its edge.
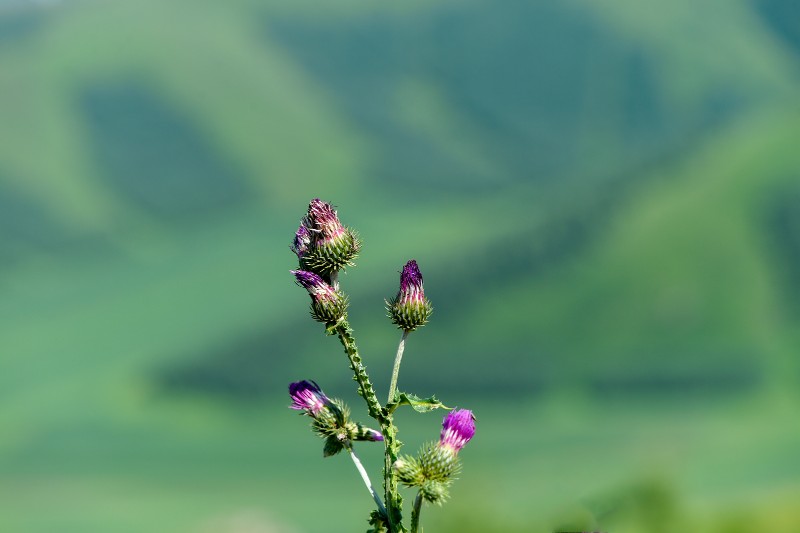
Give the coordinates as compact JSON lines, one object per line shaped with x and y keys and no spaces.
{"x":393,"y":498}
{"x":394,"y":501}
{"x":415,"y":513}
{"x":366,"y":479}
{"x":396,"y":370}
{"x":365,"y":389}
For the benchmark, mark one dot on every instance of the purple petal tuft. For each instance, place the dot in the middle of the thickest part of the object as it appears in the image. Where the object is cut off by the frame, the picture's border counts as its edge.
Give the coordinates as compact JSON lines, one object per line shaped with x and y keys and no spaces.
{"x":458,"y":428}
{"x":323,"y":220}
{"x":306,"y":395}
{"x":317,"y":287}
{"x":410,"y":284}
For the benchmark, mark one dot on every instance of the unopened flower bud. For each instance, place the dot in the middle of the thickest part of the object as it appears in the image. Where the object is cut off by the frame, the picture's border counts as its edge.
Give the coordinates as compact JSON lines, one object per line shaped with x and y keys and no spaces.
{"x":364,"y":433}
{"x":410,"y":309}
{"x":327,"y":304}
{"x":322,"y":244}
{"x":434,"y":491}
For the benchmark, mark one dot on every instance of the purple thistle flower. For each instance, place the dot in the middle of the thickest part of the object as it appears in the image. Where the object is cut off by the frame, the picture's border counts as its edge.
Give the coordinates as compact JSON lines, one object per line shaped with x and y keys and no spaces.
{"x":458,"y":428}
{"x":307,"y":396}
{"x":410,"y":309}
{"x":437,"y":463}
{"x":331,"y":417}
{"x":327,"y":304}
{"x":322,"y":244}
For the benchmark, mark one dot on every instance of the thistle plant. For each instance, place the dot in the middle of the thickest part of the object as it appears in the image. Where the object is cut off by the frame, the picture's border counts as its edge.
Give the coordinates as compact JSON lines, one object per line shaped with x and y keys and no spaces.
{"x":324,"y":247}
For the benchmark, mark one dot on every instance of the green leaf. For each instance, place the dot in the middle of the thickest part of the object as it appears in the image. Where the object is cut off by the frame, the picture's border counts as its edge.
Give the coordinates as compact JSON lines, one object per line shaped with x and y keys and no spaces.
{"x":332,"y":446}
{"x":420,"y":405}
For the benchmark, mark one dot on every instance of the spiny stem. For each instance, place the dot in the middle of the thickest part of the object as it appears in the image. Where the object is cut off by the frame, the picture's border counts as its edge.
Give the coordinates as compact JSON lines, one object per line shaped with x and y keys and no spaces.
{"x":393,"y":498}
{"x":365,"y":477}
{"x":365,"y":389}
{"x":396,"y":370}
{"x":415,"y":513}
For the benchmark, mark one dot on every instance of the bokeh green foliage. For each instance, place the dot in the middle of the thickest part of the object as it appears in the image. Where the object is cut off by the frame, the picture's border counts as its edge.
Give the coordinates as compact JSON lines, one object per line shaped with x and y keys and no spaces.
{"x":604,"y":199}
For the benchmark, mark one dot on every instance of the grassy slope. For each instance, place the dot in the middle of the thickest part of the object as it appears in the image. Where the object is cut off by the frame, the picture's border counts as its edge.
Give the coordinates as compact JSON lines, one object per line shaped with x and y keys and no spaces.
{"x":111,"y":436}
{"x":686,"y":266}
{"x":88,"y":437}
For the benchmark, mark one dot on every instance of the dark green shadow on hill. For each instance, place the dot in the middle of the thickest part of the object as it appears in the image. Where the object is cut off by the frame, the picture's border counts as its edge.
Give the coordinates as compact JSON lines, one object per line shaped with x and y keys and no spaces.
{"x":153,"y":156}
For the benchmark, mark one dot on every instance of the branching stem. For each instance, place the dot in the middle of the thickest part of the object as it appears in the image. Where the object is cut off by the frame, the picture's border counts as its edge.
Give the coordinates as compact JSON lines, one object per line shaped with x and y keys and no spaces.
{"x":394,"y":501}
{"x":366,"y":479}
{"x":396,"y":370}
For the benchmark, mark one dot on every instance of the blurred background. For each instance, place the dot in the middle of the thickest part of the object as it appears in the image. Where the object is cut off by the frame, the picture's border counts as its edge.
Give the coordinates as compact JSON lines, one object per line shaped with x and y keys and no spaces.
{"x":603,"y":197}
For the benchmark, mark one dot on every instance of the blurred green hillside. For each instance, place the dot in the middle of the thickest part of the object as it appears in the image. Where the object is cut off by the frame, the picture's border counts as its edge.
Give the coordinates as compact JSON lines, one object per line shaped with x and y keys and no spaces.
{"x":604,"y":198}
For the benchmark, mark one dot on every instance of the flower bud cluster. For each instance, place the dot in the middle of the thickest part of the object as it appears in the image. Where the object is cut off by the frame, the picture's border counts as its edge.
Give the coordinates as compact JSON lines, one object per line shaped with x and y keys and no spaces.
{"x":410,"y":309}
{"x":323,"y":247}
{"x":330,"y":417}
{"x":434,"y":468}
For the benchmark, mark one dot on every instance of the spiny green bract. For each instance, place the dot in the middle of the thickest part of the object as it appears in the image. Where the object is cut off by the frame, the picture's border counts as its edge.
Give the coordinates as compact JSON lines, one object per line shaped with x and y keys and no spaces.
{"x":329,"y":310}
{"x":432,"y":471}
{"x":409,"y":472}
{"x":435,"y":491}
{"x":438,"y":463}
{"x":332,"y":256}
{"x":409,"y":315}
